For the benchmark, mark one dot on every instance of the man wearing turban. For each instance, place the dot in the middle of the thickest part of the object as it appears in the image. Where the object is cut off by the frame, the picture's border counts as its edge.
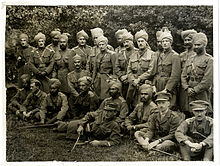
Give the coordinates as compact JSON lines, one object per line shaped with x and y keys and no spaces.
{"x":62,"y":66}
{"x":55,"y":35}
{"x":55,"y":106}
{"x":138,"y":119}
{"x":86,"y":101}
{"x":96,"y":32}
{"x":118,"y":36}
{"x":103,"y":69}
{"x":121,"y":63}
{"x":42,"y":62}
{"x":187,"y":37}
{"x":23,"y":53}
{"x":137,"y":66}
{"x":197,"y":75}
{"x":82,"y":49}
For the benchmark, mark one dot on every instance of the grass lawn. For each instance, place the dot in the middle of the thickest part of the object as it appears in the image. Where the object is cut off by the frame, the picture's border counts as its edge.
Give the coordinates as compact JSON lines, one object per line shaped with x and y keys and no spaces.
{"x":42,"y":144}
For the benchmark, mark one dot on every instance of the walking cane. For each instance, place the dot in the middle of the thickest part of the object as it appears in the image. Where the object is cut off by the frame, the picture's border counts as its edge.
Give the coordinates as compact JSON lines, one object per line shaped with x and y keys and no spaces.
{"x":75,"y":143}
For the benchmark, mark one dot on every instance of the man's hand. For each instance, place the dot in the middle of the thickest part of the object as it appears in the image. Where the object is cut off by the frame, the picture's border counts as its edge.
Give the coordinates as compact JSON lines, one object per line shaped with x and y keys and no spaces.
{"x":43,"y":73}
{"x":191,"y":91}
{"x":42,"y":121}
{"x":124,"y":78}
{"x":131,"y":127}
{"x":80,"y":130}
{"x":136,"y":82}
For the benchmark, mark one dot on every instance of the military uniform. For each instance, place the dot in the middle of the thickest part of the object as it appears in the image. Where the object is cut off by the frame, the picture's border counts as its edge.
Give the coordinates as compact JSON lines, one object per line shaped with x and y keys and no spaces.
{"x":61,"y":68}
{"x":73,"y":78}
{"x":188,"y":130}
{"x":102,"y":72}
{"x":101,"y":128}
{"x":198,"y":74}
{"x":42,"y":60}
{"x":122,"y":108}
{"x":139,"y":117}
{"x":183,"y":100}
{"x":92,"y":57}
{"x":84,"y":53}
{"x":54,"y":106}
{"x":85,"y":102}
{"x":168,"y":71}
{"x":23,"y":54}
{"x":138,"y":64}
{"x":34,"y":102}
{"x":18,"y":99}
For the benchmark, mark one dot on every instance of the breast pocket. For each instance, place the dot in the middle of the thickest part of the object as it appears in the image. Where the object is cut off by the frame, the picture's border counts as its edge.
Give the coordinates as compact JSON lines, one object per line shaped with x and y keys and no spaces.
{"x":145,"y":64}
{"x":200,"y":68}
{"x":134,"y":65}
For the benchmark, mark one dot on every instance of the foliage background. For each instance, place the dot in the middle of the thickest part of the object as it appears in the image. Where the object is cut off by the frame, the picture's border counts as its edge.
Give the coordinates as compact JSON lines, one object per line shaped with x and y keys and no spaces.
{"x":71,"y":19}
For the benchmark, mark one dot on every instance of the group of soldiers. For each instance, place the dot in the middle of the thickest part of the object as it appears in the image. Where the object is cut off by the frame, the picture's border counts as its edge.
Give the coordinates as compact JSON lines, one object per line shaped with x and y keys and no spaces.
{"x":162,"y":99}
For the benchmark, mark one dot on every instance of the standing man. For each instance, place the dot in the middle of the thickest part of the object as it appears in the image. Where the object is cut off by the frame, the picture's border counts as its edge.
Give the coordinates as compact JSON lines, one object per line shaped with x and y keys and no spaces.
{"x":23,"y":53}
{"x":195,"y":134}
{"x":82,"y":49}
{"x":55,"y":106}
{"x":138,"y":119}
{"x":167,"y":68}
{"x":162,"y":126}
{"x":118,"y":36}
{"x":61,"y":66}
{"x":96,"y":32}
{"x":103,"y":69}
{"x":187,"y":37}
{"x":138,"y":64}
{"x":55,"y":35}
{"x":197,"y":75}
{"x":42,"y":62}
{"x":122,"y":60}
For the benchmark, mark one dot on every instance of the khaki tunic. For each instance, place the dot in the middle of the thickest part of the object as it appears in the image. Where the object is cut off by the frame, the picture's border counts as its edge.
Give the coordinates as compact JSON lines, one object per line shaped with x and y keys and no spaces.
{"x":84,"y":53}
{"x":103,"y":72}
{"x":140,"y":116}
{"x":187,"y":129}
{"x":23,"y":55}
{"x":54,"y":106}
{"x":42,"y":61}
{"x":163,"y":128}
{"x":183,"y":95}
{"x":92,"y":58}
{"x":122,"y":108}
{"x":198,"y":74}
{"x":138,"y":65}
{"x":61,"y":68}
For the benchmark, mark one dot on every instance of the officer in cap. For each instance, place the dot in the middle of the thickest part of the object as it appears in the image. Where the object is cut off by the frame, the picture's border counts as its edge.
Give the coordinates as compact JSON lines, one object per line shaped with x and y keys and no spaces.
{"x":195,"y":135}
{"x":162,"y":126}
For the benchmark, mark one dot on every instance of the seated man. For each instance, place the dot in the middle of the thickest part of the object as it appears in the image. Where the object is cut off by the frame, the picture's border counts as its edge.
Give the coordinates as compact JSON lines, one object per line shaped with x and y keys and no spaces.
{"x":87,"y":101}
{"x":138,"y":119}
{"x":17,"y":101}
{"x":103,"y":130}
{"x":31,"y":106}
{"x":162,"y":126}
{"x":55,"y":106}
{"x":195,"y":134}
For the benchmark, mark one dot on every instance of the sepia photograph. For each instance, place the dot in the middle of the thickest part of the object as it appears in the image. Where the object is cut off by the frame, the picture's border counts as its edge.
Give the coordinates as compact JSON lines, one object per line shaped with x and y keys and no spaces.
{"x":110,"y":83}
